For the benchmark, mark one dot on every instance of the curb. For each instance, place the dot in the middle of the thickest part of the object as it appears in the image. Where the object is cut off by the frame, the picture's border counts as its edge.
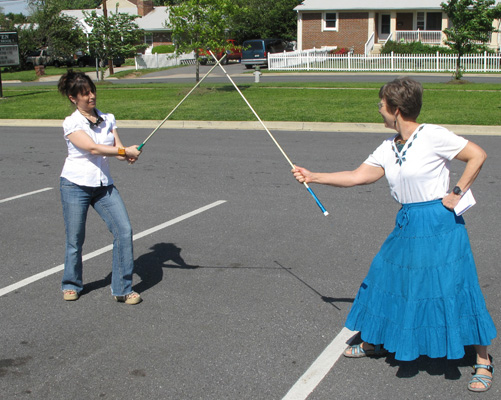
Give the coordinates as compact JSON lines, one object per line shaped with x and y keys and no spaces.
{"x":255,"y":125}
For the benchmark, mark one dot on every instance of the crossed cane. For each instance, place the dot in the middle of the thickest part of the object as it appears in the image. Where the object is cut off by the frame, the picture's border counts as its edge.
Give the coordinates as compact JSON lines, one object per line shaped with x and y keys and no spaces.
{"x":218,"y":62}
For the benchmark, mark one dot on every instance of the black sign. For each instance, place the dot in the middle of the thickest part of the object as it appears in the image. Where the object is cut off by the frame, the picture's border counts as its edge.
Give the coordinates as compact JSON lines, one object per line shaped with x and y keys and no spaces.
{"x":9,"y":49}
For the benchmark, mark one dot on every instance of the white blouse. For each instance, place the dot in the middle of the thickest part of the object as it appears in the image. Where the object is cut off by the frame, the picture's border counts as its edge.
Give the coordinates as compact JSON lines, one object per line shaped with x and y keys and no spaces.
{"x":81,"y":167}
{"x":420,"y":172}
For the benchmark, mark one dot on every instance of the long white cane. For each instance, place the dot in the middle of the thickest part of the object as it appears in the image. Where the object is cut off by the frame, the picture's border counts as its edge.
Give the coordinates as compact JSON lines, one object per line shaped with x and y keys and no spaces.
{"x":271,"y":136}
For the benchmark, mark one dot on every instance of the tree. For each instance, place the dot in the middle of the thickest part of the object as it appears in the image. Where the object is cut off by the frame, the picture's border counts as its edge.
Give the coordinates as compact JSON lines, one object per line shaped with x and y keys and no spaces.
{"x":201,"y":24}
{"x":471,"y":26}
{"x":58,"y":32}
{"x":10,"y":20}
{"x":265,"y":19}
{"x":114,"y":35}
{"x":81,"y":4}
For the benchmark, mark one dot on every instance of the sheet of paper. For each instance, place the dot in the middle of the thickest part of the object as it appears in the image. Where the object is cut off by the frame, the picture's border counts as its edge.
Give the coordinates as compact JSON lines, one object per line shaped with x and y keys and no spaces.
{"x":466,"y":202}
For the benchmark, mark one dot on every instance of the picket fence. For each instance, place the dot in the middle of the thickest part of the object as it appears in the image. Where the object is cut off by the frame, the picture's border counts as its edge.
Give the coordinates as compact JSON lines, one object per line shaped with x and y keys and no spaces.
{"x":315,"y":60}
{"x":162,"y":60}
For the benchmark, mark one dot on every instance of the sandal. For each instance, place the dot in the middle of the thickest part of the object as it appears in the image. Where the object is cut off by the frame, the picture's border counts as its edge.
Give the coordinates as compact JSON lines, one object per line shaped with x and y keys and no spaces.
{"x":70,"y":295}
{"x":357,"y":351}
{"x":480,"y":378}
{"x":131,"y":298}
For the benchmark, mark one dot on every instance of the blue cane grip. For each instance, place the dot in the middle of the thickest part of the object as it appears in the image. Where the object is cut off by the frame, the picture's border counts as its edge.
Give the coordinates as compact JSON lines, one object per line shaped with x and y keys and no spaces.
{"x":140,"y":146}
{"x":318,"y":201}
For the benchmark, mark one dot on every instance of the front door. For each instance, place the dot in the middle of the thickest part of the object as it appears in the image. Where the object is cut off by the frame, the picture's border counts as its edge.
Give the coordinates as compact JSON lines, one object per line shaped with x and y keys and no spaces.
{"x":384,"y":27}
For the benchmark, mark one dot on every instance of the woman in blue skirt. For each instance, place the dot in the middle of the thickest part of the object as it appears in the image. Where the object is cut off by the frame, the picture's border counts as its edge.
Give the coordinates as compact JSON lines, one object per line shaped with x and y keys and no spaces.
{"x":421,"y":295}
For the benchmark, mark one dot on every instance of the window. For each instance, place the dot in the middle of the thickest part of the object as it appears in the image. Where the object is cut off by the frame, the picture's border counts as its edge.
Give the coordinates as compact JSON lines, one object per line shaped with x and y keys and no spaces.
{"x":330,"y":21}
{"x":420,"y":21}
{"x":430,"y":21}
{"x":148,"y":39}
{"x":434,"y":21}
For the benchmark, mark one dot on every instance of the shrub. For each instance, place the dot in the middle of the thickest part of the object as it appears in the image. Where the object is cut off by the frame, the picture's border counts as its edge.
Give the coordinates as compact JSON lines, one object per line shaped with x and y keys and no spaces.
{"x":413,"y":48}
{"x":165,"y":48}
{"x":342,"y":50}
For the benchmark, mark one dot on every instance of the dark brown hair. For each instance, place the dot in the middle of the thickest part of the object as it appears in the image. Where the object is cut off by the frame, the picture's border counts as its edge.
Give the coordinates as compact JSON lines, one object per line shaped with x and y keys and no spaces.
{"x":73,"y":83}
{"x":404,"y":94}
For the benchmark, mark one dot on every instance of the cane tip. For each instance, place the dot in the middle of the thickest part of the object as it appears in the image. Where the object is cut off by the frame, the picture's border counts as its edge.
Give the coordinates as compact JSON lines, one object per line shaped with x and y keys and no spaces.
{"x":326,"y":213}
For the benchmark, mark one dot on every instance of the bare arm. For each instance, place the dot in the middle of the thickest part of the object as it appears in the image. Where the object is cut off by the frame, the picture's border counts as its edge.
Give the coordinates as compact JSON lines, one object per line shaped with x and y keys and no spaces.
{"x":363,"y":175}
{"x":83,"y":141}
{"x":474,"y":157}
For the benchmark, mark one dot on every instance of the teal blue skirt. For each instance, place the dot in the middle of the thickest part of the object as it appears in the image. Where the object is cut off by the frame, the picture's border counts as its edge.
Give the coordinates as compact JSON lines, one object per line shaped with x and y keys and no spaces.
{"x":421,"y":295}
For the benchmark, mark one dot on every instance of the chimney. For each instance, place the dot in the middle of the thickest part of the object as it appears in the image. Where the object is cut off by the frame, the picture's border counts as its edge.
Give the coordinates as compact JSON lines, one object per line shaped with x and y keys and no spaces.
{"x":144,"y":7}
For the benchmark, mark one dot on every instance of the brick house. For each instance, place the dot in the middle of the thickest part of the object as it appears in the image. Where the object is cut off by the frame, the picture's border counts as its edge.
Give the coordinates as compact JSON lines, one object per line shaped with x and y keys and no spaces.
{"x":151,"y":19}
{"x":364,"y":25}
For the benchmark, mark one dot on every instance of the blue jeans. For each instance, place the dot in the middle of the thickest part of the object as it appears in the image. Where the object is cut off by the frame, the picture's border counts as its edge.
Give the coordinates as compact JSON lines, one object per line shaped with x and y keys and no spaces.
{"x":107,"y":202}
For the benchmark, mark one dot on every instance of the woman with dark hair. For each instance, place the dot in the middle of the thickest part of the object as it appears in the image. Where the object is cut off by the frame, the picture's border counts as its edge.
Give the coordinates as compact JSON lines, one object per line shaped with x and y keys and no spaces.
{"x":421,"y":295}
{"x":92,"y":137}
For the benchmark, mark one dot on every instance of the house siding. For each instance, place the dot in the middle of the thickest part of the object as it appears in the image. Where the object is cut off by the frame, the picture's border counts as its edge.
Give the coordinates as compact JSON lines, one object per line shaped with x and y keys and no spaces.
{"x":352,"y":31}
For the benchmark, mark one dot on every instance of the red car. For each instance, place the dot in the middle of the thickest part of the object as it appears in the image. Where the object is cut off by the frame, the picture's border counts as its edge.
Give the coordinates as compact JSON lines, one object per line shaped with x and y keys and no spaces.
{"x":234,"y":53}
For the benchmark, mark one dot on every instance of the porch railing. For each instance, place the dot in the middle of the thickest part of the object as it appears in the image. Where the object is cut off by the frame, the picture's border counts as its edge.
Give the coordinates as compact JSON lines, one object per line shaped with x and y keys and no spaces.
{"x":427,"y":37}
{"x":324,"y":61}
{"x":369,"y":45}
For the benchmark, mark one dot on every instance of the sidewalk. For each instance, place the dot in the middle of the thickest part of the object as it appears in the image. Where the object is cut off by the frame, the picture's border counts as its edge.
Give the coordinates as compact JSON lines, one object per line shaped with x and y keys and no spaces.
{"x":466,"y":130}
{"x":55,"y":78}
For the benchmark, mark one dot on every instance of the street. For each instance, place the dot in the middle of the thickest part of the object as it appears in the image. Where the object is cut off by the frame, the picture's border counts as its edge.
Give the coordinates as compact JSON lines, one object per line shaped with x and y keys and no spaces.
{"x":245,"y":282}
{"x":241,"y":75}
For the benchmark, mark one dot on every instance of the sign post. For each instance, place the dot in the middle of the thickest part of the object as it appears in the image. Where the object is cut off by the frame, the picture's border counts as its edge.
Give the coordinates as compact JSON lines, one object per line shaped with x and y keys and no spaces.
{"x":9,"y":52}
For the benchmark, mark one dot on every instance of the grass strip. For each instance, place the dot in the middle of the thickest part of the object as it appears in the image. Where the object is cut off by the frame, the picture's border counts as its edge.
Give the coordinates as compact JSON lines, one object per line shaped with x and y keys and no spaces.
{"x":471,"y":104}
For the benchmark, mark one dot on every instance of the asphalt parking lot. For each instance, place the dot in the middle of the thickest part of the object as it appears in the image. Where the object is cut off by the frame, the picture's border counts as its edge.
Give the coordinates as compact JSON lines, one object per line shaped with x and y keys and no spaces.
{"x":246,"y":284}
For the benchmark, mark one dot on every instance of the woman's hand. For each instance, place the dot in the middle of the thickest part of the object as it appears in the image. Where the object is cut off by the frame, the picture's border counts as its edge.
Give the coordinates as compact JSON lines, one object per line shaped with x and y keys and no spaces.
{"x":132,"y":153}
{"x":451,"y":201}
{"x":302,"y":174}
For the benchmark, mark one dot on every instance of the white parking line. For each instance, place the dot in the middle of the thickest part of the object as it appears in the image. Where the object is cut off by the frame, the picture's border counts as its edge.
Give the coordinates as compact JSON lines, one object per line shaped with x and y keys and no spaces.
{"x":320,"y":367}
{"x":105,"y":249}
{"x":26,"y":194}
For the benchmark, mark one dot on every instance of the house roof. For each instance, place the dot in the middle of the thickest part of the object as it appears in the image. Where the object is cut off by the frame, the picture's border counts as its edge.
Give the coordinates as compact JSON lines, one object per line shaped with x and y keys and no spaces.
{"x":155,"y":20}
{"x":369,"y":5}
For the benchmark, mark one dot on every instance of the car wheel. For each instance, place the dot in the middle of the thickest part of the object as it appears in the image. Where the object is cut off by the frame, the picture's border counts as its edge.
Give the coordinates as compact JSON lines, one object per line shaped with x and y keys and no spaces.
{"x":248,"y":66}
{"x":81,"y":64}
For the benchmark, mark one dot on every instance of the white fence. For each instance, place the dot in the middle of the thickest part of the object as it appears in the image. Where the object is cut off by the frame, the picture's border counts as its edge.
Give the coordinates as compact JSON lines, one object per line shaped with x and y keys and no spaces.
{"x":162,"y":60}
{"x":324,"y":61}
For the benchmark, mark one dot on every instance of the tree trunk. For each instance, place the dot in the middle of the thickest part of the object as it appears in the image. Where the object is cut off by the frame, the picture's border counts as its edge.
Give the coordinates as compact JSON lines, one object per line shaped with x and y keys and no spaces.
{"x":110,"y":66}
{"x":458,"y":73}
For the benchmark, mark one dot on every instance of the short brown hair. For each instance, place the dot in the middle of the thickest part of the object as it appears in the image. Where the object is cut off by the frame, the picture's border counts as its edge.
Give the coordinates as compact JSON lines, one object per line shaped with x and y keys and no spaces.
{"x":404,"y":94}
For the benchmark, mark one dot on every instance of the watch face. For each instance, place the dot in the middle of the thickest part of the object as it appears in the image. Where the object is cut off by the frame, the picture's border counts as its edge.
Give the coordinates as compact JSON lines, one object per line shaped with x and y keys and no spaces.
{"x":456,"y":190}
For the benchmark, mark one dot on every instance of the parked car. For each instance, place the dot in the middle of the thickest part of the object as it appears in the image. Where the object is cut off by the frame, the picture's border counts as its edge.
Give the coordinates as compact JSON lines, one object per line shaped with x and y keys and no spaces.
{"x":45,"y":58}
{"x":255,"y":51}
{"x":233,"y":54}
{"x":84,"y":60}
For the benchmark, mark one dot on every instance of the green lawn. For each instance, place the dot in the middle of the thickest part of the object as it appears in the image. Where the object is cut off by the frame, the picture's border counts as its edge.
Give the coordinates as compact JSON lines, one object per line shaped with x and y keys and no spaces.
{"x":472,"y":104}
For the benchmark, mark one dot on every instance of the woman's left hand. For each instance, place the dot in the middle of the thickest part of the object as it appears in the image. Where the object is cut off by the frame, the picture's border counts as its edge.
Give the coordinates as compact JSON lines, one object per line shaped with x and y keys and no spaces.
{"x":450,"y":201}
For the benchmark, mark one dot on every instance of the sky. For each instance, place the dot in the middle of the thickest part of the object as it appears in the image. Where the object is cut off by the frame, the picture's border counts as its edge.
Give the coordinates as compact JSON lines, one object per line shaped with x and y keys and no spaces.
{"x":14,"y":6}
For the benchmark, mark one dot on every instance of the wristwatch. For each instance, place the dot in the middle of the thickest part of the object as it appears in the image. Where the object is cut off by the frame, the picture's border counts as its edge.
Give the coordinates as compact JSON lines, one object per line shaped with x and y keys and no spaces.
{"x":457,"y":190}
